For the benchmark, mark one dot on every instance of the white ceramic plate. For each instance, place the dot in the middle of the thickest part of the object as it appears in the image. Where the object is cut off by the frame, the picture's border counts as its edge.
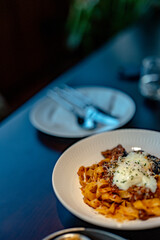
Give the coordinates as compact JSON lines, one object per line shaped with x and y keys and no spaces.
{"x":88,"y":151}
{"x":49,"y":117}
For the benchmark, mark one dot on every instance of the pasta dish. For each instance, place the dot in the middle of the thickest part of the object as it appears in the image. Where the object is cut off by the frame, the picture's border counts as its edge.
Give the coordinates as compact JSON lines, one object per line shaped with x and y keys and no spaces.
{"x":123,"y":185}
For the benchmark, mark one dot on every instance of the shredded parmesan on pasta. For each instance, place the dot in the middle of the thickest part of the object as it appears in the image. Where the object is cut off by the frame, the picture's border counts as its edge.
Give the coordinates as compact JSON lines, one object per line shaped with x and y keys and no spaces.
{"x":137,"y":196}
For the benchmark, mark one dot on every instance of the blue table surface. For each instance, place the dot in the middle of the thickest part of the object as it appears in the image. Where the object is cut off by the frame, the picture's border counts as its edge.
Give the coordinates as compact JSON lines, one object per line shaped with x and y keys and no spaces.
{"x":29,"y":207}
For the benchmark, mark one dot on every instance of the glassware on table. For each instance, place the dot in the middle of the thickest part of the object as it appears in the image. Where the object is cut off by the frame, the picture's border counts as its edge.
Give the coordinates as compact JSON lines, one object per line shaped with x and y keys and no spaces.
{"x":149,"y":83}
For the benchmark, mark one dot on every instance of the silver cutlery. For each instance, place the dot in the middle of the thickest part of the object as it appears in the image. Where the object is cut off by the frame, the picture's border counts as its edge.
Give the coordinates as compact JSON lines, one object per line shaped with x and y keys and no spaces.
{"x":88,"y":115}
{"x":82,"y":116}
{"x":82,"y":100}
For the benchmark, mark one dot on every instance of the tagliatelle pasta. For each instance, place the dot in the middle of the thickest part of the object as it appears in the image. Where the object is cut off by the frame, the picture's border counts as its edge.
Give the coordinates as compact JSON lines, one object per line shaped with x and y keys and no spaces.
{"x":123,"y":186}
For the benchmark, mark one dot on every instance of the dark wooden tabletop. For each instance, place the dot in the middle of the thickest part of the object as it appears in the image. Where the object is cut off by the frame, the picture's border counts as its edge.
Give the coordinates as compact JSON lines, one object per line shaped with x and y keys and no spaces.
{"x":29,"y":208}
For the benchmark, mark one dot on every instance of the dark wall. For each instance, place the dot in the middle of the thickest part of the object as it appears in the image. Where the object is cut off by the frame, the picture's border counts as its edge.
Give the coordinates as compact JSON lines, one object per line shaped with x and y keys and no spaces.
{"x":32,"y":40}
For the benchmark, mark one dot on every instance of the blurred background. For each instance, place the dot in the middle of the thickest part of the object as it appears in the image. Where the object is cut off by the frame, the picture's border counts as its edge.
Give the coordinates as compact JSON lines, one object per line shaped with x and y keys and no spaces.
{"x":42,"y":39}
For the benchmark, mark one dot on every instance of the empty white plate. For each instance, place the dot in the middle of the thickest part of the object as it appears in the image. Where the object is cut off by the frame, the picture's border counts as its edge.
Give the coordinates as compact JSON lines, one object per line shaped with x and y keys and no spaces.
{"x":50,"y":118}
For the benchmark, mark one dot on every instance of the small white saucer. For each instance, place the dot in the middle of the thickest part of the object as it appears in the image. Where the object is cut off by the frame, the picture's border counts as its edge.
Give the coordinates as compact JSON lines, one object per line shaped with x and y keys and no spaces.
{"x":50,"y":118}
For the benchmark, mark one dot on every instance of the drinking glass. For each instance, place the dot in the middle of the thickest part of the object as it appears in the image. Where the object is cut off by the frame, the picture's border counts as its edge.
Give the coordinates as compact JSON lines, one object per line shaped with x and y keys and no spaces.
{"x":149,"y":83}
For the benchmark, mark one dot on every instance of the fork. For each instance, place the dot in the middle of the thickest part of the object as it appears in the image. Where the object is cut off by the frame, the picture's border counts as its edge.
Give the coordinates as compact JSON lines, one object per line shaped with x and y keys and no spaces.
{"x":87,"y":113}
{"x":83,"y":118}
{"x":77,"y":98}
